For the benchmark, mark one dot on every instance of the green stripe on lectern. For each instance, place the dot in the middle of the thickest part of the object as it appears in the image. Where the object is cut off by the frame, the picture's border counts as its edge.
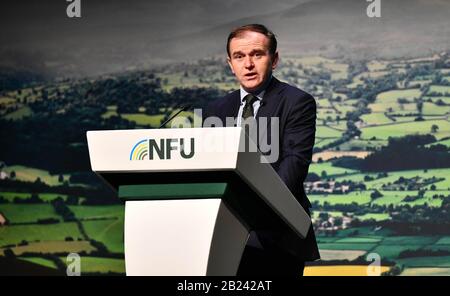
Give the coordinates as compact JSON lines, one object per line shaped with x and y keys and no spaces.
{"x":172,"y":191}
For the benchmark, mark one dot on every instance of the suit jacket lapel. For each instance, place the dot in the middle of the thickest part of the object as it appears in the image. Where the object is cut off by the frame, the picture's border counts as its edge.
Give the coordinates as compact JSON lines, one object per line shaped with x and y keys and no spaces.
{"x":233,"y":109}
{"x":269,"y":104}
{"x":270,"y":101}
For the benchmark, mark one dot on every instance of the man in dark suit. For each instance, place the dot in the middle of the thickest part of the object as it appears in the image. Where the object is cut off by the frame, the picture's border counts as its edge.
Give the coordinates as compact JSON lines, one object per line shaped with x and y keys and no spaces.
{"x":252,"y":56}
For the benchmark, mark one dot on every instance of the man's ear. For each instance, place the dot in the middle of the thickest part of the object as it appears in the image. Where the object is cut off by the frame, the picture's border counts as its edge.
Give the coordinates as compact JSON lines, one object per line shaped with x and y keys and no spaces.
{"x":229,"y":64}
{"x":275,"y":60}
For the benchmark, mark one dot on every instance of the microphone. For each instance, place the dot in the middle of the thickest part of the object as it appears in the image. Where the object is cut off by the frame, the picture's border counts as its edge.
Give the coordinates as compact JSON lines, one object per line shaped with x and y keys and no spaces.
{"x":186,"y":107}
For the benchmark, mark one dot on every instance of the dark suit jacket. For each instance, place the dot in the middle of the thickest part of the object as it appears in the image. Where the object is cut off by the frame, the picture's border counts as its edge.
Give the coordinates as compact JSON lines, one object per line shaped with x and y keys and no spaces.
{"x":296,"y":111}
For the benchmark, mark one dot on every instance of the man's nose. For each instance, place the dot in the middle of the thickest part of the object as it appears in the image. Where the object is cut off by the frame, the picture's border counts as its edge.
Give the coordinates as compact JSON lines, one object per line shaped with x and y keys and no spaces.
{"x":249,"y":63}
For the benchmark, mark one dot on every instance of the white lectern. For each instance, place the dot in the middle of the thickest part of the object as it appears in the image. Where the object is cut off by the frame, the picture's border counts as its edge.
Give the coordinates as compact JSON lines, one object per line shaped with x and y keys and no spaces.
{"x":191,"y":197}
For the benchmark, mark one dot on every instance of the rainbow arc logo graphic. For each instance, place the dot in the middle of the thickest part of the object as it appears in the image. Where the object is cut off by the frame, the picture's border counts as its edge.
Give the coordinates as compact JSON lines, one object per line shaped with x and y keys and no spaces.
{"x":139,"y":151}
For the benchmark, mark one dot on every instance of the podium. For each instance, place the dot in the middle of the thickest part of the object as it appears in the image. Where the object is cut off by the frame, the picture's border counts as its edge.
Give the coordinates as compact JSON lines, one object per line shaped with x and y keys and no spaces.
{"x":191,"y":197}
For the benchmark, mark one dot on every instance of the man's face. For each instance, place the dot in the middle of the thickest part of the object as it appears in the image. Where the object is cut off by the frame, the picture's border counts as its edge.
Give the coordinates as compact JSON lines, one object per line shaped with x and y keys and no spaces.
{"x":250,"y":60}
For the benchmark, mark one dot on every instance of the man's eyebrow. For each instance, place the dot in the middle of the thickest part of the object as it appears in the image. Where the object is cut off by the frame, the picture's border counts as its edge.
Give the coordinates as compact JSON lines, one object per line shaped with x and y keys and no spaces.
{"x":257,"y":51}
{"x":251,"y":52}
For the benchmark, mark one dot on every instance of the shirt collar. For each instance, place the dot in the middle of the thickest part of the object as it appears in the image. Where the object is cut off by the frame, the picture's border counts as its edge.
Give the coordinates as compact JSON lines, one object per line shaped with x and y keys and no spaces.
{"x":244,"y":93}
{"x":260,"y":95}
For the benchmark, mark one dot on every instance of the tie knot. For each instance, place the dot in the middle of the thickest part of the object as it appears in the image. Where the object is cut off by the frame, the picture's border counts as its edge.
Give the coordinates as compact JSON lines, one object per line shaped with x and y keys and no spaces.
{"x":250,"y":99}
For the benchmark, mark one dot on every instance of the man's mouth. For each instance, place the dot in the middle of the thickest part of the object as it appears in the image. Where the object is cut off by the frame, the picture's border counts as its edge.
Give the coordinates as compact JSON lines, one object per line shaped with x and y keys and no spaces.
{"x":250,"y":75}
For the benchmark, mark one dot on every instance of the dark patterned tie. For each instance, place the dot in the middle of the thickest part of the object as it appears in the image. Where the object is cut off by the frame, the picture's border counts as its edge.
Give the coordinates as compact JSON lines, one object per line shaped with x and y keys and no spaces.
{"x":248,"y":108}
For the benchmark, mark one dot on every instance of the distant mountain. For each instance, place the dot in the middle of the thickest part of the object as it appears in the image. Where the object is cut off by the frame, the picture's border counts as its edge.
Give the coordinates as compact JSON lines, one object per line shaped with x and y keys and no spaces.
{"x":113,"y":36}
{"x":406,"y":28}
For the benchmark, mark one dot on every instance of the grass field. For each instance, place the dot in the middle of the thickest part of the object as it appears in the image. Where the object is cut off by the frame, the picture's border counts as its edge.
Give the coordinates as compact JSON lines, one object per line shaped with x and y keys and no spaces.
{"x":375,"y":118}
{"x":348,"y":246}
{"x":323,"y":103}
{"x":392,"y":95}
{"x":403,"y":129}
{"x":49,"y":247}
{"x":387,"y":102}
{"x":83,"y":212}
{"x":100,"y":265}
{"x":374,"y":216}
{"x":395,"y":175}
{"x":144,"y":119}
{"x":322,"y":142}
{"x":330,"y":170}
{"x":31,"y":233}
{"x":10,"y":196}
{"x":439,"y":89}
{"x":28,"y":174}
{"x":359,"y":197}
{"x":421,"y":271}
{"x":109,"y":232}
{"x":442,"y":142}
{"x":433,"y":109}
{"x":327,"y":255}
{"x":326,"y":132}
{"x":18,"y":213}
{"x":396,"y":198}
{"x":358,"y":240}
{"x":19,"y":113}
{"x":358,"y":144}
{"x":40,"y":261}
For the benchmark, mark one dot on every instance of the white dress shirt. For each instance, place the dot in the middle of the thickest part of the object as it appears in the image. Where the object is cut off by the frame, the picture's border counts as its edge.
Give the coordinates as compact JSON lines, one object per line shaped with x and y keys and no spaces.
{"x":256,"y":104}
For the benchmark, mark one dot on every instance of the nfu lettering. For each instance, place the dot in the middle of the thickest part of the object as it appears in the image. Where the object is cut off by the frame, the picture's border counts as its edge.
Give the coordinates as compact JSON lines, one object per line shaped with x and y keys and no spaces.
{"x":164,"y":148}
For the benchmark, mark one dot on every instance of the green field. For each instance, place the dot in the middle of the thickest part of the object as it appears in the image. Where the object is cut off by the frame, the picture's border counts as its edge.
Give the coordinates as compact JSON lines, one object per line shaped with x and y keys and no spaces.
{"x":347,"y":246}
{"x":100,"y":265}
{"x":16,"y":233}
{"x":89,"y":212}
{"x":392,"y":251}
{"x":443,"y":261}
{"x":49,"y":247}
{"x":392,"y":95}
{"x":439,"y":89}
{"x":358,"y":240}
{"x":443,"y":241}
{"x":375,"y":118}
{"x":46,"y":197}
{"x":109,"y":232}
{"x":433,"y":109}
{"x":28,"y":174}
{"x":144,"y":119}
{"x":19,"y":113}
{"x":410,"y":240}
{"x":425,"y":271}
{"x":18,"y":213}
{"x":396,"y":198}
{"x":358,"y":197}
{"x":374,"y":216}
{"x":330,"y":170}
{"x":393,"y":176}
{"x":323,"y":103}
{"x":40,"y":261}
{"x":358,"y":144}
{"x":403,"y":129}
{"x":442,"y":142}
{"x":322,"y":142}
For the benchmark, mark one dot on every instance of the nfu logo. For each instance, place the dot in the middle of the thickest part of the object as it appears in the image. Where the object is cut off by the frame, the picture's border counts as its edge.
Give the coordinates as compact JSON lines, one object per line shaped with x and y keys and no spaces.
{"x":149,"y":149}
